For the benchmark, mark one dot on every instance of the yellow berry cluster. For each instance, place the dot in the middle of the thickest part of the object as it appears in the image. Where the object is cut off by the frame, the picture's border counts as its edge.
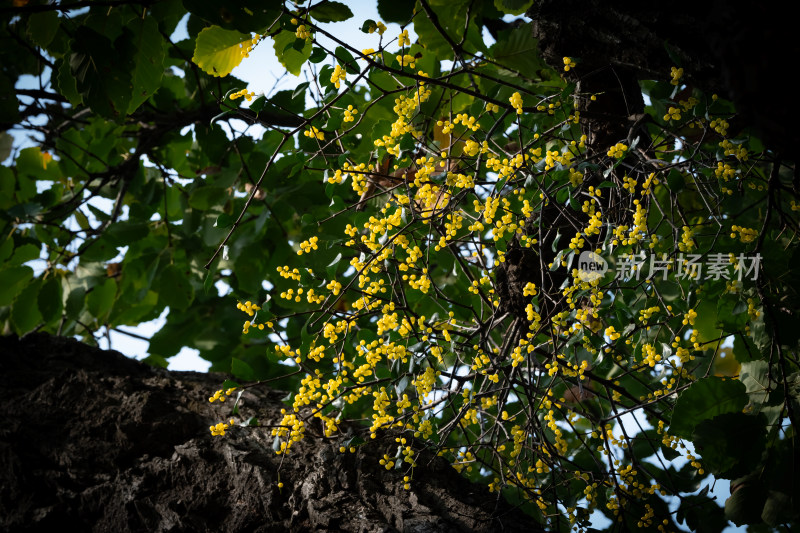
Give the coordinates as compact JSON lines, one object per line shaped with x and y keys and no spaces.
{"x":478,"y":199}
{"x":307,"y":246}
{"x":302,"y":31}
{"x":379,"y":26}
{"x":617,"y":151}
{"x":349,"y":113}
{"x":673,"y":113}
{"x":677,"y":74}
{"x":339,"y":75}
{"x":244,"y":93}
{"x":746,"y":235}
{"x":314,"y":133}
{"x":516,"y":102}
{"x":403,"y":39}
{"x":219,"y":429}
{"x":220,"y":395}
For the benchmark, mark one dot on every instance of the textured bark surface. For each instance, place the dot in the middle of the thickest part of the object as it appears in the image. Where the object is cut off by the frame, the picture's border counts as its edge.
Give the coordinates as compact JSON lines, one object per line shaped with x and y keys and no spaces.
{"x":743,"y":50}
{"x":99,"y":442}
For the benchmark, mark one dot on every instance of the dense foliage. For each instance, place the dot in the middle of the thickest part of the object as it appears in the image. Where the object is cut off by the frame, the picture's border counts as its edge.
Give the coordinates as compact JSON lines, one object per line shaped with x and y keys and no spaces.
{"x":435,"y":238}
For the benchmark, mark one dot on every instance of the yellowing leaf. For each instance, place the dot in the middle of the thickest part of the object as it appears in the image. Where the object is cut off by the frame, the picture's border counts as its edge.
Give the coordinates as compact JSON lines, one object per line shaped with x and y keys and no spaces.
{"x":218,"y":51}
{"x":725,"y":363}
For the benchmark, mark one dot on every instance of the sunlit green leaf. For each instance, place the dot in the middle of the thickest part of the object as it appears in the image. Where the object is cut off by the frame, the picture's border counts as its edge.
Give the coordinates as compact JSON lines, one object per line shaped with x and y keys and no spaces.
{"x":519,"y":50}
{"x":289,"y":57}
{"x":218,"y":51}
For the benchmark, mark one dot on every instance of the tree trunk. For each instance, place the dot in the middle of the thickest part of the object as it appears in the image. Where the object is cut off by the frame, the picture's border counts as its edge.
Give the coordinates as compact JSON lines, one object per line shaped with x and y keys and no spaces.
{"x":105,"y":443}
{"x":743,"y":50}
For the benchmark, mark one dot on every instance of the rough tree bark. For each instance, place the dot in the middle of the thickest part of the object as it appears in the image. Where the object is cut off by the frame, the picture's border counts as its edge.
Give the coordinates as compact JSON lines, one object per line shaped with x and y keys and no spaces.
{"x":99,"y":442}
{"x":741,"y":49}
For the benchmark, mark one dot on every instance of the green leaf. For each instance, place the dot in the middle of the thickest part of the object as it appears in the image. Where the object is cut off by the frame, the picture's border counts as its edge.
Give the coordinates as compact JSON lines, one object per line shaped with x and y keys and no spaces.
{"x":66,"y":84}
{"x":156,"y":361}
{"x":9,"y":104}
{"x":83,"y":220}
{"x":14,"y":280}
{"x":706,"y":321}
{"x":518,"y":50}
{"x":148,"y":61}
{"x":452,"y":18}
{"x":242,"y":370}
{"x":744,"y":349}
{"x":218,"y":51}
{"x":675,"y":181}
{"x":250,"y":271}
{"x":25,"y":209}
{"x":7,"y":183}
{"x":346,"y":59}
{"x":98,"y":214}
{"x":177,"y":333}
{"x":75,"y":302}
{"x":25,"y":315}
{"x":513,"y":7}
{"x":102,"y":73}
{"x":175,"y":290}
{"x":42,"y":27}
{"x":31,"y":162}
{"x":669,"y":453}
{"x":127,"y":232}
{"x":289,"y":57}
{"x":210,"y":278}
{"x":6,"y":143}
{"x":243,"y":15}
{"x":101,"y":299}
{"x":704,"y":400}
{"x":399,"y":11}
{"x":779,"y":508}
{"x":100,"y":249}
{"x":51,"y":300}
{"x":368,"y":25}
{"x":731,"y":444}
{"x":317,"y":55}
{"x":745,"y":503}
{"x":754,"y":376}
{"x":702,"y":514}
{"x":331,"y":12}
{"x":23,"y":254}
{"x":6,"y":248}
{"x":224,"y":221}
{"x":203,"y":198}
{"x":646,"y":443}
